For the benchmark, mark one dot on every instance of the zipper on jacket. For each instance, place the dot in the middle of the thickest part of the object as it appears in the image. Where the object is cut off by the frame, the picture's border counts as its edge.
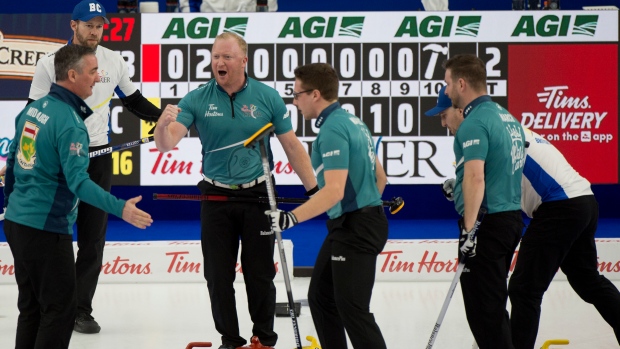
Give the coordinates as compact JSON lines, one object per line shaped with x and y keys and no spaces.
{"x":232,"y":105}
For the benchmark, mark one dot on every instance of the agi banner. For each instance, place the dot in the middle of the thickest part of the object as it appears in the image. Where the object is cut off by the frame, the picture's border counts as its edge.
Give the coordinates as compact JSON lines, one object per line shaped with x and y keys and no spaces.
{"x":557,"y":72}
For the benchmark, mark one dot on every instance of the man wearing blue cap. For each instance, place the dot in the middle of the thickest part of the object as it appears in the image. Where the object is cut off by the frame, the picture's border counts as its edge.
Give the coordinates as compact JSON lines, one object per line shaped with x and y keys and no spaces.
{"x":451,"y":118}
{"x":560,"y":235}
{"x":87,"y":22}
{"x":489,"y":151}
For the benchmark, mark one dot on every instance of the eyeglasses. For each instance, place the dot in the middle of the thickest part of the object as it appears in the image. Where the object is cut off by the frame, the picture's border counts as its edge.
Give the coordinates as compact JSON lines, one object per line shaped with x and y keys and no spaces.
{"x":296,"y":94}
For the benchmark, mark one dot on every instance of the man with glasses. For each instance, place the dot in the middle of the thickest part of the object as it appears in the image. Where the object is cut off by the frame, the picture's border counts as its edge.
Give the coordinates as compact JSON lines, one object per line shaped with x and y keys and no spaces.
{"x":297,"y":94}
{"x":351,"y":181}
{"x":227,"y":111}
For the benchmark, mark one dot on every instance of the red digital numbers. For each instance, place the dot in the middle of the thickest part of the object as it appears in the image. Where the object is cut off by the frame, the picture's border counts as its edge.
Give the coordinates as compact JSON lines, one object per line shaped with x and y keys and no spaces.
{"x":120,"y":29}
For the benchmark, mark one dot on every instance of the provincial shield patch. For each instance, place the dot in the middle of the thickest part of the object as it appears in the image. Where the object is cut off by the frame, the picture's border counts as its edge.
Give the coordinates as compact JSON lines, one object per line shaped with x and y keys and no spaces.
{"x":26,"y":151}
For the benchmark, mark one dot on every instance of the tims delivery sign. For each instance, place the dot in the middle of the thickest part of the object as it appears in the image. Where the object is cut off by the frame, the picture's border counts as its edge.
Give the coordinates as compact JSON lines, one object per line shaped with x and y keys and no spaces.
{"x":568,"y":94}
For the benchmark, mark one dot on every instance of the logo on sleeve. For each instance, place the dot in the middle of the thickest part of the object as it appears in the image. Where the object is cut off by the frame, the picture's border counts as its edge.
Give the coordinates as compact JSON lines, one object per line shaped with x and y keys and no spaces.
{"x":331,"y":153}
{"x":470,"y":143}
{"x":76,"y":149}
{"x":26,"y":152}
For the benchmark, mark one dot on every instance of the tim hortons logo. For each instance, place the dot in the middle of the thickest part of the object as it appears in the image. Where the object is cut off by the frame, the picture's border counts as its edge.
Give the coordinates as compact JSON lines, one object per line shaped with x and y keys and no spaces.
{"x":7,"y":269}
{"x":178,"y":264}
{"x":602,"y":266}
{"x":608,"y":267}
{"x":553,"y":96}
{"x":122,"y":266}
{"x":19,"y":54}
{"x":427,"y":264}
{"x":280,"y":167}
{"x":169,"y":165}
{"x":572,"y":111}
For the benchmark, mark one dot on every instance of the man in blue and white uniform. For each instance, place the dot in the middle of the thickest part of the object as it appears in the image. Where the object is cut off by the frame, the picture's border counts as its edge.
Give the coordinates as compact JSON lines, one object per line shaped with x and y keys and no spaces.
{"x":560,"y":235}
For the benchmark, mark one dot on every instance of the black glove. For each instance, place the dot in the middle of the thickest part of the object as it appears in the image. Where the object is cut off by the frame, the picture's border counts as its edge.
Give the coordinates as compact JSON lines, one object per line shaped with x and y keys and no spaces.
{"x":312,"y":191}
{"x":281,"y":220}
{"x":448,"y":189}
{"x":468,"y":240}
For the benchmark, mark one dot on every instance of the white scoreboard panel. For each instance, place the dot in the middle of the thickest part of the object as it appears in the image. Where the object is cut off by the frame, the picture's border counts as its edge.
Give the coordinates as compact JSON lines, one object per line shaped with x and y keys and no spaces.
{"x":390,"y":70}
{"x":389,"y":65}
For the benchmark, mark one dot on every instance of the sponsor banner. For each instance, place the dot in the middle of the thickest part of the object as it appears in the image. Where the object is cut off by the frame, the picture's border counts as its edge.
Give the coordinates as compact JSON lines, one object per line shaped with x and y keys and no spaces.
{"x":435,"y":260}
{"x":152,"y":261}
{"x":400,"y":260}
{"x":557,"y":71}
{"x":318,"y":27}
{"x":180,"y":166}
{"x":575,"y":109}
{"x":19,"y":54}
{"x":406,"y":160}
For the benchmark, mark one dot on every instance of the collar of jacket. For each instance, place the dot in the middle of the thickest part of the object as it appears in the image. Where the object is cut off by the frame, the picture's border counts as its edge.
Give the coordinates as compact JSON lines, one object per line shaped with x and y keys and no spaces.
{"x":325,"y":113}
{"x":72,"y":99}
{"x":475,"y":103}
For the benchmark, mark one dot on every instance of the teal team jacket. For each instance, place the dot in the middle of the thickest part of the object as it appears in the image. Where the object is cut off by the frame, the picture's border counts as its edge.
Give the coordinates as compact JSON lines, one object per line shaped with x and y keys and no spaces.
{"x":47,"y":163}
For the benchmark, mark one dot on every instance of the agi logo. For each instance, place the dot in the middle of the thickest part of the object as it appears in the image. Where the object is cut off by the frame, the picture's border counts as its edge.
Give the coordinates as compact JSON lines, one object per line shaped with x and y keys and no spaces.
{"x":552,"y":25}
{"x":203,"y":27}
{"x":468,"y":26}
{"x":323,"y":27}
{"x":351,"y":26}
{"x":585,"y":25}
{"x":436,"y":26}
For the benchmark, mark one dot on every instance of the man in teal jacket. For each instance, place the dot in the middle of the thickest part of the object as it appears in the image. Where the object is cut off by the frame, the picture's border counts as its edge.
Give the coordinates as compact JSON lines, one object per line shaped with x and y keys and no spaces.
{"x":351,"y":181}
{"x":45,"y":180}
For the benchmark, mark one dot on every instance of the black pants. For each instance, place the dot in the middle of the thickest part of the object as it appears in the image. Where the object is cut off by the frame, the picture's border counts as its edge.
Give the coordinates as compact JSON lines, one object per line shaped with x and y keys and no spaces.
{"x":343,"y":278}
{"x":561,"y":235}
{"x":91,"y":229}
{"x":45,"y":275}
{"x":222,"y":225}
{"x":483,"y":281}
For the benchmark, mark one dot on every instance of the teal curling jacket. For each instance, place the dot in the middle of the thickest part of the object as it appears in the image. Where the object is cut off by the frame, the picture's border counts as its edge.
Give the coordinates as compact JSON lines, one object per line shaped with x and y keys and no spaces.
{"x":47,"y":163}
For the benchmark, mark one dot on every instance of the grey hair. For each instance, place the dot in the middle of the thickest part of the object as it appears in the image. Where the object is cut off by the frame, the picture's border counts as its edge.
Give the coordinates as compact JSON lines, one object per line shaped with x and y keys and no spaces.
{"x":70,"y":57}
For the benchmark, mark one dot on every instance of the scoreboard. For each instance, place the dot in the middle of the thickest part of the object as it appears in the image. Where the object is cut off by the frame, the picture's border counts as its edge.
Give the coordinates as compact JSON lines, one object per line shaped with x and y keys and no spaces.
{"x":557,"y":72}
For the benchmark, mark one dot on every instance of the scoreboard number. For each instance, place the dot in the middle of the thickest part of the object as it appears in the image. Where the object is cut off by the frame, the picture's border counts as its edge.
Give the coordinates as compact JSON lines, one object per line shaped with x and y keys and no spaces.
{"x":122,"y":163}
{"x":203,"y":68}
{"x":496,"y":57}
{"x":116,"y":27}
{"x":130,"y":60}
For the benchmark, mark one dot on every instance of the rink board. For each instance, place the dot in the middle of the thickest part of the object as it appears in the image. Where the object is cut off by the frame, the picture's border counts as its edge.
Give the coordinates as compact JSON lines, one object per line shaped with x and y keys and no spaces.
{"x":181,"y":261}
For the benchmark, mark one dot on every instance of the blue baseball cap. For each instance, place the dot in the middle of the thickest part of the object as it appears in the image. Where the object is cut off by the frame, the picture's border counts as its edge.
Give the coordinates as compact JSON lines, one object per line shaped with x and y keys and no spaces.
{"x":443,"y":102}
{"x":87,"y":10}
